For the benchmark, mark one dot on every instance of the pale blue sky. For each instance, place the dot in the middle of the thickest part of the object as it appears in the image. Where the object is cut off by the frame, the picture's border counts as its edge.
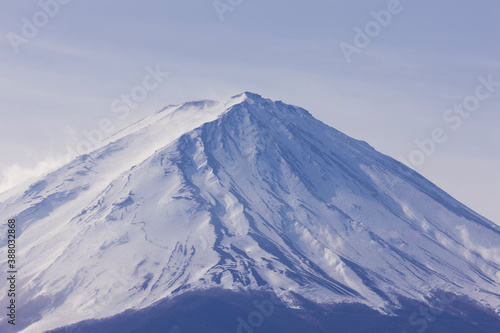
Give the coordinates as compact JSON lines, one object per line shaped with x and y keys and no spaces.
{"x":396,"y":90}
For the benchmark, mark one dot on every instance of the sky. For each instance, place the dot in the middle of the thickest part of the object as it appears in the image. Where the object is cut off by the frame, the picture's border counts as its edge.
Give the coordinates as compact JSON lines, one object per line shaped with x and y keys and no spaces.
{"x":417,"y":79}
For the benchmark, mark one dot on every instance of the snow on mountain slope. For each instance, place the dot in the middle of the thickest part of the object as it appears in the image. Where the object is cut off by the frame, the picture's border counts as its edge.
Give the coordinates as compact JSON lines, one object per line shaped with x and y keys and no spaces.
{"x":244,"y":195}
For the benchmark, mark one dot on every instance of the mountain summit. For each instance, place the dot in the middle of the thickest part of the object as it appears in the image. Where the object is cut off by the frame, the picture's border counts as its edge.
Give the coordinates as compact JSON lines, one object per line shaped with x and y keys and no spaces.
{"x":243,"y":196}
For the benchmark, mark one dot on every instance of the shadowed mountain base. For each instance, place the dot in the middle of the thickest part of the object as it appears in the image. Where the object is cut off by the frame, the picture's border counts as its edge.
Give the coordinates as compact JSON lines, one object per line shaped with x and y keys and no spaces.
{"x":221,"y":311}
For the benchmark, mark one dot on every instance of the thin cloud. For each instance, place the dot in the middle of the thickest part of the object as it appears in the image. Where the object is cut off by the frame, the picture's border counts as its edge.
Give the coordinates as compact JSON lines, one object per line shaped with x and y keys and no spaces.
{"x":17,"y":174}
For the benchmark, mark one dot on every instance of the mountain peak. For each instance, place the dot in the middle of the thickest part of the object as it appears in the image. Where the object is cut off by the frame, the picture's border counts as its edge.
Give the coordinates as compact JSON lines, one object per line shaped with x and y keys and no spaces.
{"x":247,"y":95}
{"x":267,"y":110}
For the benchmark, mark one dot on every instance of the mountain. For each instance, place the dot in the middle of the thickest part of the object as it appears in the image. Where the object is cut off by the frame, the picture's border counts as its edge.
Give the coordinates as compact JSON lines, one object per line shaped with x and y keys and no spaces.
{"x":240,"y":206}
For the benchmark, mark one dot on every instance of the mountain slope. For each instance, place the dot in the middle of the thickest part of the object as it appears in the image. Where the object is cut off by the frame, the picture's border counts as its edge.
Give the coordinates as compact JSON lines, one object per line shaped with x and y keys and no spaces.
{"x":255,"y":195}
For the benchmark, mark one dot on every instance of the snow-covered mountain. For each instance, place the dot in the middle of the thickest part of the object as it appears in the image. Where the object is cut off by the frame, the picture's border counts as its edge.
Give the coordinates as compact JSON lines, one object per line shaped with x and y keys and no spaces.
{"x":246,"y":195}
